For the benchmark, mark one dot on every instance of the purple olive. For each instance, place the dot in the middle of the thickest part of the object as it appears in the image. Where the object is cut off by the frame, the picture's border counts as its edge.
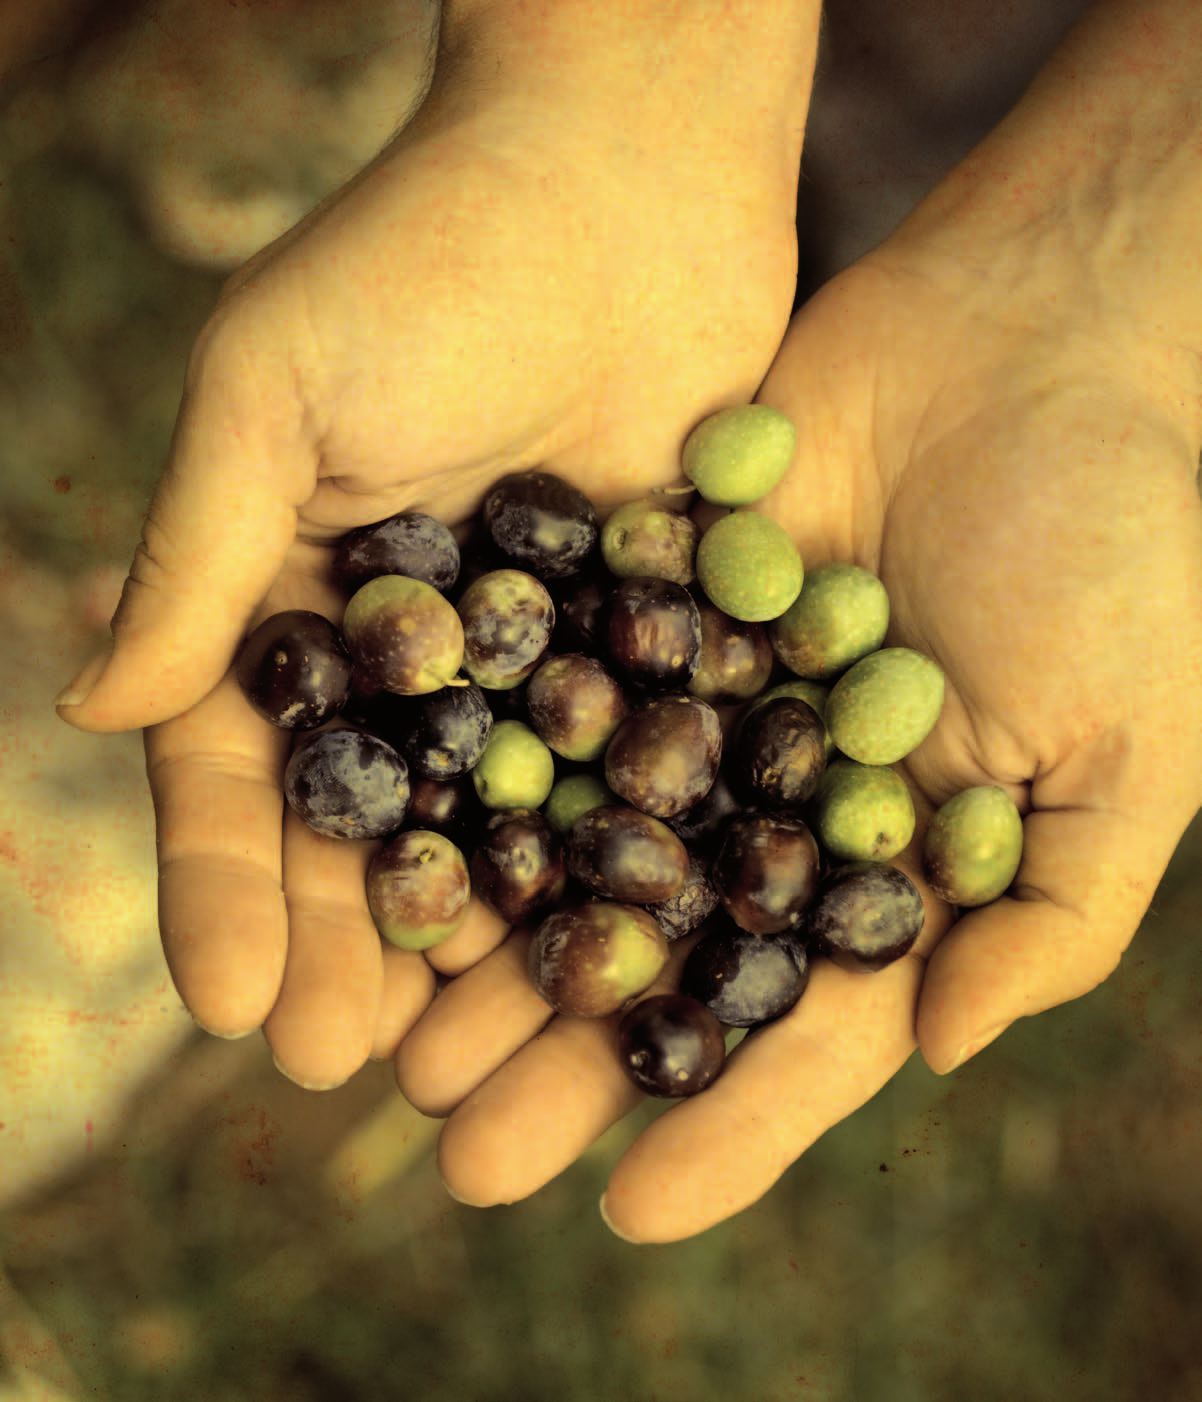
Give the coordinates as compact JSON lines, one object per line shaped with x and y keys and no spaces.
{"x":671,"y":1045}
{"x":664,"y":756}
{"x":625,"y":855}
{"x":587,"y":960}
{"x":517,"y":869}
{"x":295,"y":670}
{"x":653,"y":633}
{"x":766,"y":872}
{"x":866,"y":915}
{"x":418,"y":889}
{"x":409,"y":543}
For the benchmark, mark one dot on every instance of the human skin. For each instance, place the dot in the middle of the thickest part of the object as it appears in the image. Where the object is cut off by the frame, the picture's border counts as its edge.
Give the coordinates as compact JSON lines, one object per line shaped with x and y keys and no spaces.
{"x":1000,"y":412}
{"x":535,"y":271}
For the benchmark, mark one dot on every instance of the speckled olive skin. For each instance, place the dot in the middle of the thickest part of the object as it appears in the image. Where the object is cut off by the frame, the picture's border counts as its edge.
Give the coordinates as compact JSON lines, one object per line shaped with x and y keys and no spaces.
{"x":575,"y":705}
{"x":737,"y":455}
{"x":973,"y":847}
{"x":766,"y":872}
{"x":664,"y":757}
{"x":885,"y":706}
{"x":409,"y":543}
{"x":865,"y":916}
{"x":588,"y":960}
{"x":749,"y":567}
{"x":840,"y":616}
{"x":541,"y":522}
{"x":346,"y":783}
{"x":671,"y":1045}
{"x":295,"y":670}
{"x":652,"y":633}
{"x":404,"y":635}
{"x":863,"y":812}
{"x":418,"y":889}
{"x":645,"y":538}
{"x":745,"y":979}
{"x":780,"y":753}
{"x":517,"y":869}
{"x":736,"y":658}
{"x":625,"y":855}
{"x":507,"y":618}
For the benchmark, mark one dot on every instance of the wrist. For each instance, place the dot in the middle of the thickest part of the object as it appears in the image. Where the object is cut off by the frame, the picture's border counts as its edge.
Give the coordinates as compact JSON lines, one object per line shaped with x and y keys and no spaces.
{"x":678,"y":71}
{"x":1084,"y":206}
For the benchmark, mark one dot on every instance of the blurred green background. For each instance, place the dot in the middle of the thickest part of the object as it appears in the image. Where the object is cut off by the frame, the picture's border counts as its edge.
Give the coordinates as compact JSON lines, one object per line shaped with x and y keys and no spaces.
{"x":1029,"y":1227}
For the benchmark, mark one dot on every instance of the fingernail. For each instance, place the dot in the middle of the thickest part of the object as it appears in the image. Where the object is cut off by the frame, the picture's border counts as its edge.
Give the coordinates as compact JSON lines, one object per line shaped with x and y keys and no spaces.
{"x":75,"y":693}
{"x":606,"y":1219}
{"x":451,"y":1193}
{"x":297,"y":1080}
{"x":969,"y":1049}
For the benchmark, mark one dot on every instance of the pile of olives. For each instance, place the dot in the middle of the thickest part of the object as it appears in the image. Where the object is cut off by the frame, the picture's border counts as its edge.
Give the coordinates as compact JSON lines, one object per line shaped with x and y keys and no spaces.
{"x":623,"y":734}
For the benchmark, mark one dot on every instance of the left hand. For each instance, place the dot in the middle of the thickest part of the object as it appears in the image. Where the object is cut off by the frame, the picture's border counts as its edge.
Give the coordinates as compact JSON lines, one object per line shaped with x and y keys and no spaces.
{"x":1024,"y":485}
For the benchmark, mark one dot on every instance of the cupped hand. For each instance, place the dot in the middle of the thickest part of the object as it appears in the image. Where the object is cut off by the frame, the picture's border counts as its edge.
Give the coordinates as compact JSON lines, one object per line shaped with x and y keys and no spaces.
{"x":1022,"y":478}
{"x":522,"y":277}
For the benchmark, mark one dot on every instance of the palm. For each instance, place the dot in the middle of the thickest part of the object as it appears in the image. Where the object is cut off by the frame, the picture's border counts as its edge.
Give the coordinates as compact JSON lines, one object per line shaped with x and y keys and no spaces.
{"x":468,"y":306}
{"x":1034,"y":520}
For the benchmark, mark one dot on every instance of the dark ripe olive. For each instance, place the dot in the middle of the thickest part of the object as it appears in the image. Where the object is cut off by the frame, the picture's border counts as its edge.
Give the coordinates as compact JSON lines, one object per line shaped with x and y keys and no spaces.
{"x":441,"y":734}
{"x":507,"y":617}
{"x":701,"y":826}
{"x":745,"y":979}
{"x":450,"y":807}
{"x":346,"y":783}
{"x":664,"y":756}
{"x":517,"y":869}
{"x":295,"y":670}
{"x":542,"y":523}
{"x":580,"y":606}
{"x":865,"y":915}
{"x":671,"y":1046}
{"x":587,"y":960}
{"x":626,"y":855}
{"x":736,"y":658}
{"x":418,"y":889}
{"x":696,"y":901}
{"x":575,"y":706}
{"x":652,"y":633}
{"x":779,"y":752}
{"x":409,"y":543}
{"x":766,"y":872}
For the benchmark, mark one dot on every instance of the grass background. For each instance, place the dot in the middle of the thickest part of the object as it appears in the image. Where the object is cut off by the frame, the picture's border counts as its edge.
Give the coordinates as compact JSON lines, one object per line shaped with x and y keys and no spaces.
{"x":1030,"y":1227}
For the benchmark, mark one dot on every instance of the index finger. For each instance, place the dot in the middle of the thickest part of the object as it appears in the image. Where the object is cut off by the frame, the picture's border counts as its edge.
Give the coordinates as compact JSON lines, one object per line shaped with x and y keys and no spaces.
{"x":216,"y":779}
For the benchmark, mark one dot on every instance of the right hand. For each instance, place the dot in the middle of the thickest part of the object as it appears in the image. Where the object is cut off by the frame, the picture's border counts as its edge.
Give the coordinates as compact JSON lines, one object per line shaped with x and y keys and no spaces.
{"x":534,"y":272}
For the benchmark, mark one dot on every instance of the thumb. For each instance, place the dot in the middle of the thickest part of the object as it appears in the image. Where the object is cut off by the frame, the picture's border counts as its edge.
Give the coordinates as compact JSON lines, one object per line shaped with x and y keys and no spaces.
{"x":216,"y":534}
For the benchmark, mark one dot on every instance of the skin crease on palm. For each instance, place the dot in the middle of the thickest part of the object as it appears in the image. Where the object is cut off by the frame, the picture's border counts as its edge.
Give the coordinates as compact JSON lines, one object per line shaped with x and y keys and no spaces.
{"x":1043,"y":590}
{"x":1025,"y":485}
{"x":368,"y":382}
